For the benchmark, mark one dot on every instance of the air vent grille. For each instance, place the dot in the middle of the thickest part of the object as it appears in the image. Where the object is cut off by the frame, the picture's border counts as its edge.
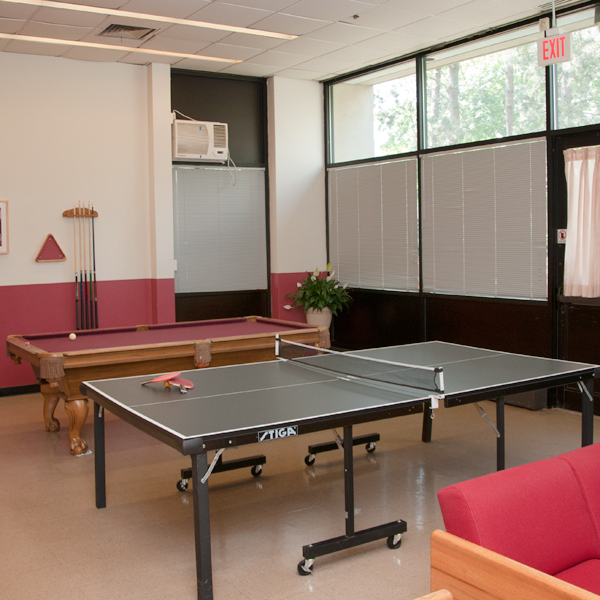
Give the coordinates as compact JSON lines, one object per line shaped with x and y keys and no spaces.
{"x":127,"y":31}
{"x":558,"y":4}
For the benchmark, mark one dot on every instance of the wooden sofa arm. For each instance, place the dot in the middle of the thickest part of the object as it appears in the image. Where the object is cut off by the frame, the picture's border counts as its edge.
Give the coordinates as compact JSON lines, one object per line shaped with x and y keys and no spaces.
{"x":471,"y":572}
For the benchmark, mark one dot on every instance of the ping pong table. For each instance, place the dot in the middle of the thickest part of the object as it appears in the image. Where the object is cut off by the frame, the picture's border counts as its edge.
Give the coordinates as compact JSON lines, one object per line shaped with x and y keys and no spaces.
{"x":253,"y":403}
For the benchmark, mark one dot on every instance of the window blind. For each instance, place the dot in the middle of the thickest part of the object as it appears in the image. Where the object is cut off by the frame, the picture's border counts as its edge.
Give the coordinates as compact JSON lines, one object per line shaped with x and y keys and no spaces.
{"x":484,"y":221}
{"x":220,"y":229}
{"x":373,"y":225}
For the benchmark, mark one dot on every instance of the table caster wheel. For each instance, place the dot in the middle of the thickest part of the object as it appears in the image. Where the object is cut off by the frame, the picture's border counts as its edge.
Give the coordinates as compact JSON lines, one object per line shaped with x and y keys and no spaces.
{"x":371,"y":447}
{"x":182,"y":485}
{"x":256,"y":470}
{"x":310,"y":460}
{"x":304,"y":567}
{"x":394,"y":541}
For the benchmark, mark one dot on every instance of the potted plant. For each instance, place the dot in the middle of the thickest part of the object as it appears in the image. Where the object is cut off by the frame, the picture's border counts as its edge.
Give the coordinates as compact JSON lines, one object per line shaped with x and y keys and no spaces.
{"x":321,"y":295}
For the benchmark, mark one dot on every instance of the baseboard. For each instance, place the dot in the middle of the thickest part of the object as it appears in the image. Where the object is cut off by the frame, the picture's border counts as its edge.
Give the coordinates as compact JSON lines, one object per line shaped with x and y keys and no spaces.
{"x":19,"y":390}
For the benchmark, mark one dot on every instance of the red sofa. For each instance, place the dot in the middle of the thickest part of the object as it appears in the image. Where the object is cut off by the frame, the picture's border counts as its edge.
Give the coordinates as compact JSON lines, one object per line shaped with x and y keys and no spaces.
{"x":544,"y":516}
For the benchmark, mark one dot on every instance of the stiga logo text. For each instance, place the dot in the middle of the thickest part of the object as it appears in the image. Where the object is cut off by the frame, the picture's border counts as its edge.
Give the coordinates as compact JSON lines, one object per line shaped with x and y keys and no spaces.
{"x":275,"y":434}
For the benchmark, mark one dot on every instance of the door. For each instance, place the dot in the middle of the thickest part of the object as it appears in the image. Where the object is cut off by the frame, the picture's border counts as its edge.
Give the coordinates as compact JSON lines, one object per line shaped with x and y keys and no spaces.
{"x":577,"y":319}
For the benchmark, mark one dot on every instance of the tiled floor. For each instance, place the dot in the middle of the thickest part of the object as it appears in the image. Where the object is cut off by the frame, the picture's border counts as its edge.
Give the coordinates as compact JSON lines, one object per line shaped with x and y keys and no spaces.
{"x":54,"y":543}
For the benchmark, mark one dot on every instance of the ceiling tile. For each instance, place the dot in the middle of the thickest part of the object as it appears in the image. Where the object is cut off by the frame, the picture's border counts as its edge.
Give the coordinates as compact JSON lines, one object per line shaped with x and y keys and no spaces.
{"x":342,"y":33}
{"x":227,"y":51}
{"x":253,"y":70}
{"x":67,"y":17}
{"x":435,"y":29}
{"x":299,"y":74}
{"x":327,"y":65}
{"x":289,"y":24}
{"x":92,"y":54}
{"x":16,"y":11}
{"x":387,"y":17}
{"x":331,"y":10}
{"x":228,"y":14}
{"x":60,"y":32}
{"x":197,"y":34}
{"x":273,"y":5}
{"x":425,"y":7}
{"x":356,"y":53}
{"x":252,"y":41}
{"x":309,"y":47}
{"x":21,"y":47}
{"x":179,"y":9}
{"x":198,"y":65}
{"x":170,"y":44}
{"x":274,"y":58}
{"x":11,"y":25}
{"x":394,"y":42}
{"x":479,"y":12}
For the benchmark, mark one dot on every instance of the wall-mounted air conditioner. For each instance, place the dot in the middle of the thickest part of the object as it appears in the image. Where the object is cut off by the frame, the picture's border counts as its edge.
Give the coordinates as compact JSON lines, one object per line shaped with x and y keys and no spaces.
{"x":200,"y":141}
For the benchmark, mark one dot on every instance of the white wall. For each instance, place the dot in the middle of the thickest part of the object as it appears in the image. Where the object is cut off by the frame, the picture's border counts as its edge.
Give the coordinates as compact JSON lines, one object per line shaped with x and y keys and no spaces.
{"x":71,"y":132}
{"x":353,"y":122}
{"x":296,"y":175}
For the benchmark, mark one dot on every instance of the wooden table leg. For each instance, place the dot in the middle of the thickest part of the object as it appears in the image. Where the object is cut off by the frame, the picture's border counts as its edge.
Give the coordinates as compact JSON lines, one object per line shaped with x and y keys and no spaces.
{"x":77,"y":411}
{"x":51,"y":398}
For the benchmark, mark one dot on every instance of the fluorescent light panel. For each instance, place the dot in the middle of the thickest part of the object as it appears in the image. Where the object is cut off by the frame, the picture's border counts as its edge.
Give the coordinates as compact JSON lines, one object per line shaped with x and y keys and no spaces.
{"x":159,"y":19}
{"x":43,"y":40}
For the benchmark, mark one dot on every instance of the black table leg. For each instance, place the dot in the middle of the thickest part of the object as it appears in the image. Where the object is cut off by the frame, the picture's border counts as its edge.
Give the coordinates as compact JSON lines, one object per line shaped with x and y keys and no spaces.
{"x":500,"y":441}
{"x":393,"y":531}
{"x":427,"y":422}
{"x":99,"y":456}
{"x":202,"y":527}
{"x":349,"y":480}
{"x":587,"y":413}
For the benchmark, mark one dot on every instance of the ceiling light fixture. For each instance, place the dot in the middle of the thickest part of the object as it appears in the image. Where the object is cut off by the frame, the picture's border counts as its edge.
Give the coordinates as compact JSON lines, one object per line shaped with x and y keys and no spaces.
{"x":43,"y":40}
{"x":147,"y":17}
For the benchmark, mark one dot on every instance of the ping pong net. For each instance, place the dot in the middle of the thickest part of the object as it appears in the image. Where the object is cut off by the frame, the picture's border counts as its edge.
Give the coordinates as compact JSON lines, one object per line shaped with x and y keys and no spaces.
{"x":363,"y":369}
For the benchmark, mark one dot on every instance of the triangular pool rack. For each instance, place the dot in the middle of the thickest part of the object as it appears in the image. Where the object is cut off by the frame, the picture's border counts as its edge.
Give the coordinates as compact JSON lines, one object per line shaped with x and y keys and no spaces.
{"x":50,"y":251}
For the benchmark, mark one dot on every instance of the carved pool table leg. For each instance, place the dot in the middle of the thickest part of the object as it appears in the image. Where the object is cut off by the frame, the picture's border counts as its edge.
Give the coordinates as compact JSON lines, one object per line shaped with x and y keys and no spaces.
{"x":77,"y":411}
{"x":51,"y":398}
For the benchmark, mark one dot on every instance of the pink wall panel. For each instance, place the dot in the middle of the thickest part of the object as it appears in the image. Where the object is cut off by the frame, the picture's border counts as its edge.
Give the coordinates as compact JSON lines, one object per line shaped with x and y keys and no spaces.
{"x":51,"y":307}
{"x":282,"y":284}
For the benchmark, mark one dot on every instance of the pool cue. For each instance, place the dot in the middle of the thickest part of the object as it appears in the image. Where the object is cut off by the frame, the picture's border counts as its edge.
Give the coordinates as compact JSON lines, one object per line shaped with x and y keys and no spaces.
{"x":94,"y":271}
{"x":89,"y":231}
{"x":77,"y":320}
{"x":85,"y":271}
{"x":81,"y":268}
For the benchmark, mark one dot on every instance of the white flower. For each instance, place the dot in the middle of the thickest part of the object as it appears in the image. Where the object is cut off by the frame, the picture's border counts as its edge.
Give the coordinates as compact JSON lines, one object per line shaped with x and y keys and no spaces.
{"x":299,"y":285}
{"x":313,"y":277}
{"x":287,"y":307}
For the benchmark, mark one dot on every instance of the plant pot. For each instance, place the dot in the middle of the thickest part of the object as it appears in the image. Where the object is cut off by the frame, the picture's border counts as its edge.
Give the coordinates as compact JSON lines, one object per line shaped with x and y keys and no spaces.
{"x":318,"y":318}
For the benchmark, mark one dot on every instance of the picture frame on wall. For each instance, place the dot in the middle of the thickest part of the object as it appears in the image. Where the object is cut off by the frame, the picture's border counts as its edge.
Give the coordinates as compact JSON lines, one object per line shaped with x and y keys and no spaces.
{"x":3,"y":227}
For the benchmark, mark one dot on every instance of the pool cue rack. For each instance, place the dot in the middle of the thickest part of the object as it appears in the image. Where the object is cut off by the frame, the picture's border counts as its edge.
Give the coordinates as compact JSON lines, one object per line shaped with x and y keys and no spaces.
{"x":84,"y":242}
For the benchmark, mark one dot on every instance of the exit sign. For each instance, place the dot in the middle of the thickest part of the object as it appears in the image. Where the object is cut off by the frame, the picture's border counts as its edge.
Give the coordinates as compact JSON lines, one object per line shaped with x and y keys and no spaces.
{"x":554,"y":48}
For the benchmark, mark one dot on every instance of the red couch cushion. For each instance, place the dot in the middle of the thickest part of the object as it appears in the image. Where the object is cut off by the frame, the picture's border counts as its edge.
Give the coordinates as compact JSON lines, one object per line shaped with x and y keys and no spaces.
{"x":585,"y":575}
{"x":536,"y":514}
{"x":585,"y":463}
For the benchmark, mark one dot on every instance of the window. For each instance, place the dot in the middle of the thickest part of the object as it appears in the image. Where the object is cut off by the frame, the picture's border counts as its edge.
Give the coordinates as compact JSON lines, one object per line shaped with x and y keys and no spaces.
{"x":220,"y":229}
{"x":375,"y":115}
{"x":373,"y":225}
{"x":484,"y":221}
{"x":486,"y":90}
{"x":578,"y":81}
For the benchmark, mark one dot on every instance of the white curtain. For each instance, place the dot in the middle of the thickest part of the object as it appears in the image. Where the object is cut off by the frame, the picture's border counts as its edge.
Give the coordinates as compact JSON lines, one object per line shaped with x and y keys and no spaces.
{"x":582,"y":254}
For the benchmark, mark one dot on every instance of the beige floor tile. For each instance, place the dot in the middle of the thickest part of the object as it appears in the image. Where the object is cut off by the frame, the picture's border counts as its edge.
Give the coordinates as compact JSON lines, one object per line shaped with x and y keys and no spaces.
{"x":54,"y":543}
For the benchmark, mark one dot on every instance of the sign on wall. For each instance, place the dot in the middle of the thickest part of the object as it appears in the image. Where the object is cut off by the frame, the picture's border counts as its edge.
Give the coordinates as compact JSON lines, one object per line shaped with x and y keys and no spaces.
{"x":554,"y":48}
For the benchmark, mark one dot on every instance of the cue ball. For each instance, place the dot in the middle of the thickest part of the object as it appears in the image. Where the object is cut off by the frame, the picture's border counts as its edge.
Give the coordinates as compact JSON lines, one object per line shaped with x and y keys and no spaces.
{"x":72,"y":336}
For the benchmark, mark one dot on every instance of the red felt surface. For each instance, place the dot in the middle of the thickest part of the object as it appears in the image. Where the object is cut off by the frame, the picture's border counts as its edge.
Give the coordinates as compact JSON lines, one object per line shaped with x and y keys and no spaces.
{"x":157,"y":334}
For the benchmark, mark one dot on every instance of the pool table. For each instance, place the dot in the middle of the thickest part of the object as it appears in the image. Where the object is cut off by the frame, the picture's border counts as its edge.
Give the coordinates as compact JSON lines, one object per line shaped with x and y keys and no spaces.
{"x":61,"y":364}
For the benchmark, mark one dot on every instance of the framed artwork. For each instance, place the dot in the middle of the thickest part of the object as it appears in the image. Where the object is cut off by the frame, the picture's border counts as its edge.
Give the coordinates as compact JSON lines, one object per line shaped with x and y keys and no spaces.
{"x":3,"y":227}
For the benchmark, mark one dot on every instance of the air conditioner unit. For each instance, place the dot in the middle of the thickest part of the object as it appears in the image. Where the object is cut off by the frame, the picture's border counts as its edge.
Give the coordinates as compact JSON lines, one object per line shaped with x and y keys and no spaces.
{"x":200,"y":141}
